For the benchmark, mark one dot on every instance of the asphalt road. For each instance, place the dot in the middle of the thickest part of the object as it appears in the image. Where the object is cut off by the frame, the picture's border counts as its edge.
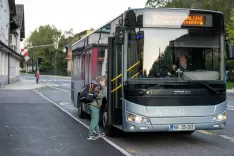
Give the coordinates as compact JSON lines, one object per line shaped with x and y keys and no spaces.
{"x":31,"y":125}
{"x":201,"y":143}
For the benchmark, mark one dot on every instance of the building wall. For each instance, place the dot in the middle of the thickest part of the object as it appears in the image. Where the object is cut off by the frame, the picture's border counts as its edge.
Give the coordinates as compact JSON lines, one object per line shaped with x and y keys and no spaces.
{"x":6,"y":63}
{"x":4,"y":21}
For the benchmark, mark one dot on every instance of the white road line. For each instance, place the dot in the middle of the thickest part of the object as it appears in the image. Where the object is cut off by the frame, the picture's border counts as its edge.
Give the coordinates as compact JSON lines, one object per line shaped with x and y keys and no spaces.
{"x":59,"y":89}
{"x":104,"y":138}
{"x":230,"y":109}
{"x":230,"y":106}
{"x":66,"y":84}
{"x":226,"y":137}
{"x":56,"y":85}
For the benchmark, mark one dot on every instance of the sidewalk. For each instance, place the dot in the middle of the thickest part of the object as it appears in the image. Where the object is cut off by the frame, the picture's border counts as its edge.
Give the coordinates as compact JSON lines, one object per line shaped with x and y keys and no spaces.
{"x":230,"y":90}
{"x":23,"y":85}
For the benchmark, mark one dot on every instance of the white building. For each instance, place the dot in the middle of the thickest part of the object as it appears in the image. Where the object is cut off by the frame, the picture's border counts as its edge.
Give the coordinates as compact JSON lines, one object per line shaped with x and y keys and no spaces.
{"x":11,"y":33}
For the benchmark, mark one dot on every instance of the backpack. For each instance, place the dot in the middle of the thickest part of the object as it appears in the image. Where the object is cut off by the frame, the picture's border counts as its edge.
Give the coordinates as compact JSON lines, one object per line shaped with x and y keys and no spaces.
{"x":87,"y":94}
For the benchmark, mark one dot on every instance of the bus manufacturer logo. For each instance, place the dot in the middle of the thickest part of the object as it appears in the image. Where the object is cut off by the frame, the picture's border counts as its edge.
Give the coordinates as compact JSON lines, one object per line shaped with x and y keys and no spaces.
{"x":182,"y":92}
{"x":170,"y":112}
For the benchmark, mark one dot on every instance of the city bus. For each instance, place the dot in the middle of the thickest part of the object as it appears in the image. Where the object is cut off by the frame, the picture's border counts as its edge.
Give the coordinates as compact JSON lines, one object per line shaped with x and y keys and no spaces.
{"x":140,"y":53}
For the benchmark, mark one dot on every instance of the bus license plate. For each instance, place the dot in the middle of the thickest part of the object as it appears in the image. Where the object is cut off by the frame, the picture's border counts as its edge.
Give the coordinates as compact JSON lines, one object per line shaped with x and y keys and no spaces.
{"x":182,"y":127}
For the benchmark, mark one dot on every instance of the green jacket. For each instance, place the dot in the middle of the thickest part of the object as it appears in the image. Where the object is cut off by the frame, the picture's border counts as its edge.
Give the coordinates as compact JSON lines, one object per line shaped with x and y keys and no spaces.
{"x":97,"y":103}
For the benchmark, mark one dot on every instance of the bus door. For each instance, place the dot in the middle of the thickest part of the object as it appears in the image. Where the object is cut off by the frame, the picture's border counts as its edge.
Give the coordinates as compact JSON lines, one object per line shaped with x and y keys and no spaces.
{"x":114,"y":82}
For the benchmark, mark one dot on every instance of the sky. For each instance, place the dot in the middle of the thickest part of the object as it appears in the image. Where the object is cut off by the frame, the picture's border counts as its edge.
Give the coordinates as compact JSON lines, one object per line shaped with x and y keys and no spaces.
{"x":76,"y":14}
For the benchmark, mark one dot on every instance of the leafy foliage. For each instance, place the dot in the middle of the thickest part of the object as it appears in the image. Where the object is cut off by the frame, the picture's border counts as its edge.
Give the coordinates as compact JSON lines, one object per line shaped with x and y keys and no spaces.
{"x":230,"y":31}
{"x":51,"y":58}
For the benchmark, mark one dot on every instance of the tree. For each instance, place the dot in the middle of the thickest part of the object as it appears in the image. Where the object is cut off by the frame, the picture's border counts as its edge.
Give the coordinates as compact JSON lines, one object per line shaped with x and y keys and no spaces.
{"x":230,"y":31}
{"x":45,"y":35}
{"x":156,"y":3}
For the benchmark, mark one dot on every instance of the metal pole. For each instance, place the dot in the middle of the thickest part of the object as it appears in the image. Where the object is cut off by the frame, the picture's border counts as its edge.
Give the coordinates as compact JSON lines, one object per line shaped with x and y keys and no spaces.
{"x":26,"y":69}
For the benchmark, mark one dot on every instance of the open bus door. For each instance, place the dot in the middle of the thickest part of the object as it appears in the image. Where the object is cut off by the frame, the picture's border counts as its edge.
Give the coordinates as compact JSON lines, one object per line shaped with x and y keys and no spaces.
{"x":112,"y":115}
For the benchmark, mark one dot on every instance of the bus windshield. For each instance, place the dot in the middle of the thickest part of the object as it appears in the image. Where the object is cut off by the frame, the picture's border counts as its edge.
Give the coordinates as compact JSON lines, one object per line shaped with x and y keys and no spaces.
{"x":172,"y":53}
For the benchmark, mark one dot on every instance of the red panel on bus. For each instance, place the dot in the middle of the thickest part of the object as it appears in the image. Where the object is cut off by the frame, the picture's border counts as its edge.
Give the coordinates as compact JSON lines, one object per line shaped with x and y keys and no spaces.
{"x":94,"y":63}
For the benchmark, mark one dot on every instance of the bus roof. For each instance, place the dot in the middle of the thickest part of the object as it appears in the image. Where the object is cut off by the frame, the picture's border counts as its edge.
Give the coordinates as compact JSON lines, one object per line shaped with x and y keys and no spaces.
{"x":95,"y":31}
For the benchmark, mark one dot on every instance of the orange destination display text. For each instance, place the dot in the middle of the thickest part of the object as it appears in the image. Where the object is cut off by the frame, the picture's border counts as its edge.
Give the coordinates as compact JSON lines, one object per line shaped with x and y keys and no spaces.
{"x":194,"y":20}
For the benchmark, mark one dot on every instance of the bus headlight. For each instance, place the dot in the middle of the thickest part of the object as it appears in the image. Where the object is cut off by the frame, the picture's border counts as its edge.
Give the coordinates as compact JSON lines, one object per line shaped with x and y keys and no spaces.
{"x":220,"y":117}
{"x":137,"y":118}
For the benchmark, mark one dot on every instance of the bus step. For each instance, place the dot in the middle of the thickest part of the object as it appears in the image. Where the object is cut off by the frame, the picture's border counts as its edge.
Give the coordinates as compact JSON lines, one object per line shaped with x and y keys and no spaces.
{"x":118,"y":126}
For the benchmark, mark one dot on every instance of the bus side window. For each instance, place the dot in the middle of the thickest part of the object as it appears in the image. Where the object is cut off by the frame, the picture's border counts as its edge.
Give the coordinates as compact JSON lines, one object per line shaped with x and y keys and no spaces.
{"x":102,"y":62}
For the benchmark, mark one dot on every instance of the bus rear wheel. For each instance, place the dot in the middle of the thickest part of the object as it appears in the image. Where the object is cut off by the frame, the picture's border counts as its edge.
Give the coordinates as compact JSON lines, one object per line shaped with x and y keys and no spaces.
{"x":81,"y":113}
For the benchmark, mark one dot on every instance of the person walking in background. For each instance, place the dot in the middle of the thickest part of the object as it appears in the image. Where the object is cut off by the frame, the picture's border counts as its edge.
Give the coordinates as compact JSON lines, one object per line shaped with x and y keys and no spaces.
{"x":37,"y":75}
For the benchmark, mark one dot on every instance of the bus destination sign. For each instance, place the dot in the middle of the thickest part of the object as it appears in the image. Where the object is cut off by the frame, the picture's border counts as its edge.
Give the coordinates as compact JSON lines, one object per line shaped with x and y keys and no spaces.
{"x":162,"y":19}
{"x":194,"y":20}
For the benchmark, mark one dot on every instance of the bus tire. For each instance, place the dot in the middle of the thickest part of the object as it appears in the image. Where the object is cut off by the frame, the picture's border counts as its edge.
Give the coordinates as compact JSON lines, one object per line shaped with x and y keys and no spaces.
{"x":81,"y":113}
{"x":109,"y":130}
{"x":101,"y":116}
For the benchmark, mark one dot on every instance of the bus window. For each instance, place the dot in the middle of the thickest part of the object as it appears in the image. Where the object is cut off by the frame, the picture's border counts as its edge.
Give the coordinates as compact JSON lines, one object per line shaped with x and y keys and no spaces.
{"x":87,"y":63}
{"x":83,"y":67}
{"x":101,"y":61}
{"x":93,"y":65}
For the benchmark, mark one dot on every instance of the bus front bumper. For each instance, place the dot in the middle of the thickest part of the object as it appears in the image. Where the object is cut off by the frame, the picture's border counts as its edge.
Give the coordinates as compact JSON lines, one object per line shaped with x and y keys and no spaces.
{"x":133,"y":127}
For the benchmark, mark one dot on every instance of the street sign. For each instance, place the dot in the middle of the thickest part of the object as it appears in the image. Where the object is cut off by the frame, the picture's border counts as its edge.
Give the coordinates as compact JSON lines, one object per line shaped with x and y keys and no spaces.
{"x":56,"y":45}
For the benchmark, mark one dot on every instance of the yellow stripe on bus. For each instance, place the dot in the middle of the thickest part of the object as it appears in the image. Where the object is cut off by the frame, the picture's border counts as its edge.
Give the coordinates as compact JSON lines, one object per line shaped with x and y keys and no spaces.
{"x":121,"y":85}
{"x":116,"y":88}
{"x":127,"y":70}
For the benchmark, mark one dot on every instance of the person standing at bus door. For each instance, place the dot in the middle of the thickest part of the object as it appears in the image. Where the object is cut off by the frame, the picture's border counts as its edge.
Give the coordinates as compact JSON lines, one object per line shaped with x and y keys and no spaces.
{"x":94,"y":107}
{"x":37,"y":75}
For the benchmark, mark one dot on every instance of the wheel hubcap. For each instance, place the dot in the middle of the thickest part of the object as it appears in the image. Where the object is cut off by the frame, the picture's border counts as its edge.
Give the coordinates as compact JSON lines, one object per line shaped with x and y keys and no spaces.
{"x":79,"y":109}
{"x":104,"y":119}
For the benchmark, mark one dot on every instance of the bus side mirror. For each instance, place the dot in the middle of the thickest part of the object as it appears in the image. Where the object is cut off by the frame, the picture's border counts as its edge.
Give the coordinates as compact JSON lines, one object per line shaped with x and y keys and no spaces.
{"x":230,"y":51}
{"x":119,"y":35}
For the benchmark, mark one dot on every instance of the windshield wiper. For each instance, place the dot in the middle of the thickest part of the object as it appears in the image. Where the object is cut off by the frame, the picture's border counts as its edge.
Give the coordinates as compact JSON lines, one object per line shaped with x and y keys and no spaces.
{"x":154,"y":87}
{"x":208,"y":86}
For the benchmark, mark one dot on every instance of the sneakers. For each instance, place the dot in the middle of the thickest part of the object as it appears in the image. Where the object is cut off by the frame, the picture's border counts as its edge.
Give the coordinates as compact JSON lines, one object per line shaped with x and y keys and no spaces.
{"x":96,"y":136}
{"x":92,"y":137}
{"x":100,"y":135}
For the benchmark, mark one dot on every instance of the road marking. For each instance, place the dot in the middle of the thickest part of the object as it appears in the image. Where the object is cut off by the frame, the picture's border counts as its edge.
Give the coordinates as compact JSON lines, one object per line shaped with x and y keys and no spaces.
{"x":130,"y":150}
{"x":56,"y":85}
{"x":229,"y":109}
{"x":59,"y":89}
{"x":230,"y":106}
{"x":206,"y":132}
{"x":63,"y":103}
{"x":104,"y":138}
{"x":227,"y":138}
{"x":66,"y":84}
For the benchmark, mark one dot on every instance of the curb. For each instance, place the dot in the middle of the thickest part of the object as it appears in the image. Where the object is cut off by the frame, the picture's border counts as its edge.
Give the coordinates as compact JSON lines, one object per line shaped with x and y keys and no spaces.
{"x":230,"y":90}
{"x":66,"y":77}
{"x":23,"y":89}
